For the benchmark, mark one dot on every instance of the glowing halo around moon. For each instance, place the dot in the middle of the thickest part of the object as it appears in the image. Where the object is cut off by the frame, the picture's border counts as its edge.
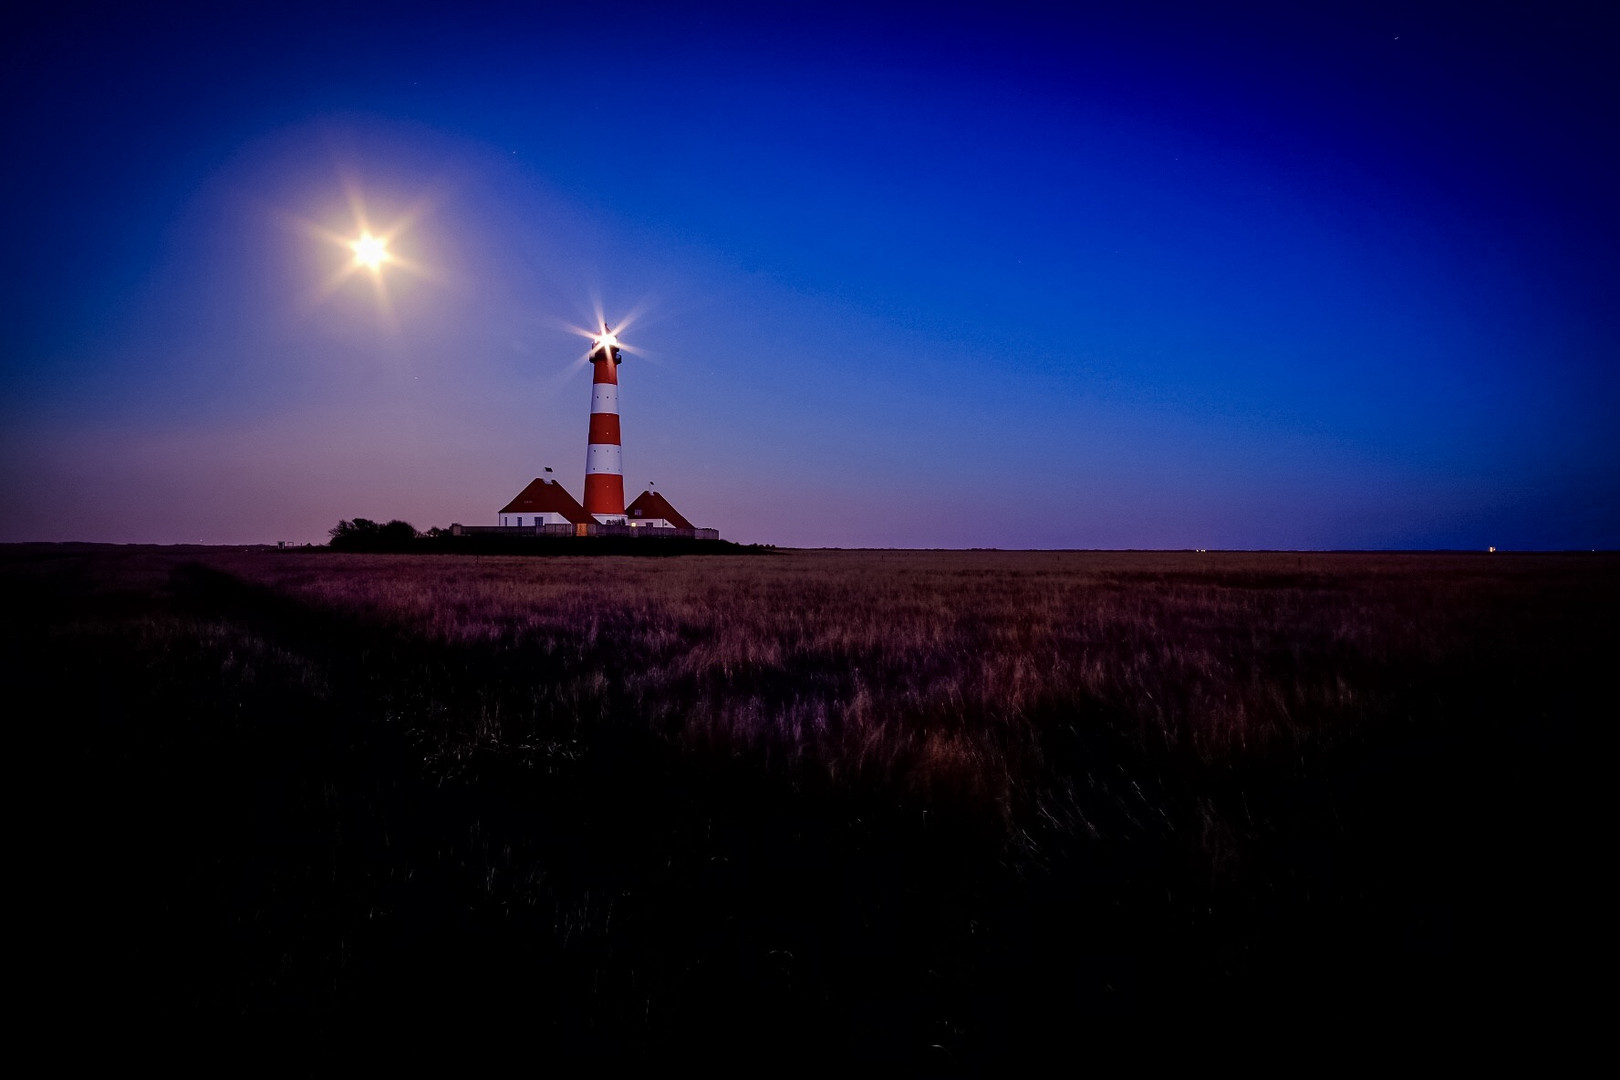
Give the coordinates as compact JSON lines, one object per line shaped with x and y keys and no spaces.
{"x":369,"y":249}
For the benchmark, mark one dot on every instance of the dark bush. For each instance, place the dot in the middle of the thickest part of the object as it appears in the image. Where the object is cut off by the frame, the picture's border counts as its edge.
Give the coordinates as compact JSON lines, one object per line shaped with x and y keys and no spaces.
{"x":363,"y":534}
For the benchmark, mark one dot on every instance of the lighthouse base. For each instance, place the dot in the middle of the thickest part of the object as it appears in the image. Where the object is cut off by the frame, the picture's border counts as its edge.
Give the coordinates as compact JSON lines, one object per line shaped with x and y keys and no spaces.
{"x":604,"y":497}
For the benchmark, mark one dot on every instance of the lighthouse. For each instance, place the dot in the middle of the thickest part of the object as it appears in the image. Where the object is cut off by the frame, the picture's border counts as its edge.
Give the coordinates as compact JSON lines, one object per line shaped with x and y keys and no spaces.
{"x":604,"y":456}
{"x":545,"y":508}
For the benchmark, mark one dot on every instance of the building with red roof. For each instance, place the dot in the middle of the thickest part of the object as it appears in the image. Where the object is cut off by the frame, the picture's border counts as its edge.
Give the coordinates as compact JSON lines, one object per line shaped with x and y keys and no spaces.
{"x":651,"y":509}
{"x":543,"y":502}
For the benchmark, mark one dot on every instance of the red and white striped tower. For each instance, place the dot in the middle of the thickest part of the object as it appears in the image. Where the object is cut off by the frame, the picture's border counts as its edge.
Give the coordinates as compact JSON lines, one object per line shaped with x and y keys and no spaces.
{"x":604,"y":460}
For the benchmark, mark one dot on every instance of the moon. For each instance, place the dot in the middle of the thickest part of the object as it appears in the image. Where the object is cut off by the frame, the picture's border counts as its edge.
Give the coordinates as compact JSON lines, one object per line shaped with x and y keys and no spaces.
{"x":369,"y":251}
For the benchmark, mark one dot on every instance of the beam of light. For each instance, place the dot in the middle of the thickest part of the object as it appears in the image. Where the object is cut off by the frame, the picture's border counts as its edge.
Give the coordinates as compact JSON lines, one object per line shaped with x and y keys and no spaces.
{"x":603,"y":335}
{"x":555,"y":382}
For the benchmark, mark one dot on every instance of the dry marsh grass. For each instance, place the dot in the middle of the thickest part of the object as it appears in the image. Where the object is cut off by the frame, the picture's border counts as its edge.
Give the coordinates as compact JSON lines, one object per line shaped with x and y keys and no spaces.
{"x":916,"y":799}
{"x":909,"y":664}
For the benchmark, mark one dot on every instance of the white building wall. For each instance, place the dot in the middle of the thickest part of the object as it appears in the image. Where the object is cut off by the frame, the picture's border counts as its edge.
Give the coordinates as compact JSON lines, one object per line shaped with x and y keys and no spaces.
{"x":527,"y":520}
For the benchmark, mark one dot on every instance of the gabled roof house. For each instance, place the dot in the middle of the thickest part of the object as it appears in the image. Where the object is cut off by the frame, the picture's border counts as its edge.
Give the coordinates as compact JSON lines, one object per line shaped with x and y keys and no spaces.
{"x":543,"y":502}
{"x":652,"y":509}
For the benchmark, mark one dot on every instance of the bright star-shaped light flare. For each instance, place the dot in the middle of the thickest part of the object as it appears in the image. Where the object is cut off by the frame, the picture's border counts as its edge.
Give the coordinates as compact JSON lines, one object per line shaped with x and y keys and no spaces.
{"x":370,"y":251}
{"x":381,"y":252}
{"x":606,"y":336}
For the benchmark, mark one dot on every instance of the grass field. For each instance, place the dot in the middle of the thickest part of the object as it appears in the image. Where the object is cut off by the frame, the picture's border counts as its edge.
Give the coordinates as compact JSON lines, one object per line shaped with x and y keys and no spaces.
{"x":903,"y":803}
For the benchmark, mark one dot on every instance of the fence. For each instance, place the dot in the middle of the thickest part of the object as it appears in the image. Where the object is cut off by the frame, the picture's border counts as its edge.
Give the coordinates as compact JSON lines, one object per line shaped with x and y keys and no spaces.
{"x":644,"y":531}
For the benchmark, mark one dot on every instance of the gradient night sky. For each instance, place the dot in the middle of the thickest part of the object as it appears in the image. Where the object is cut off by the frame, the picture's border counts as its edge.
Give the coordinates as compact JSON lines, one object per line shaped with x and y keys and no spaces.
{"x":972,"y":275}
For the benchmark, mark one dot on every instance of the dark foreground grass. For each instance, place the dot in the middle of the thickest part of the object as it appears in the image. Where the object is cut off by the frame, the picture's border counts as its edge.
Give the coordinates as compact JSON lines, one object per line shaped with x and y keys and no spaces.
{"x":816,"y":803}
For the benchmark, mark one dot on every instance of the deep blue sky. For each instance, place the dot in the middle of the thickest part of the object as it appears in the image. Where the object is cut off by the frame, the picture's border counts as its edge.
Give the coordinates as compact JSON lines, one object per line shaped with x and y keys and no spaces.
{"x":1139,"y":275}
